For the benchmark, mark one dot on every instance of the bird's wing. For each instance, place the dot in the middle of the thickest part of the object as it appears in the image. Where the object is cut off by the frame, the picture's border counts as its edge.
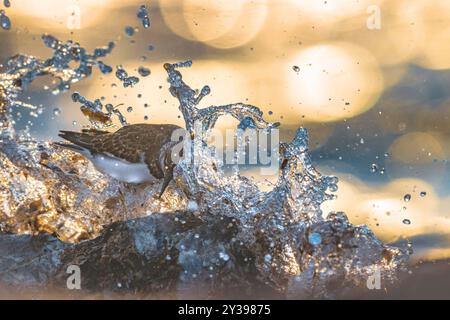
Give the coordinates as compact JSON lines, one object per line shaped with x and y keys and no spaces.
{"x":84,"y":139}
{"x":135,"y":143}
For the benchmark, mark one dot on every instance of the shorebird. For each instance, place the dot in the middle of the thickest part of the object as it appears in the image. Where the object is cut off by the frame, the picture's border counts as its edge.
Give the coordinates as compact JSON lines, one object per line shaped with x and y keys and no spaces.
{"x":134,"y":154}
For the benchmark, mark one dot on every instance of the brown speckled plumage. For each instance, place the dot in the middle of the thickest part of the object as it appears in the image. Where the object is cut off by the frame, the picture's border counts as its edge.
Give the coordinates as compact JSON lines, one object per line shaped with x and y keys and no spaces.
{"x":134,"y":143}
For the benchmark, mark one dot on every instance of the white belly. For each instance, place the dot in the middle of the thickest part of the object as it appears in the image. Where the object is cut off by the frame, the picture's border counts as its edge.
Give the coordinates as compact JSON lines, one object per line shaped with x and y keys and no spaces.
{"x":122,"y":170}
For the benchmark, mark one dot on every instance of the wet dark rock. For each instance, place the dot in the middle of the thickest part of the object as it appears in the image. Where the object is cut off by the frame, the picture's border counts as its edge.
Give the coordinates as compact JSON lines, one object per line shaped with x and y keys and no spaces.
{"x":176,"y":255}
{"x":185,"y":255}
{"x":29,"y":261}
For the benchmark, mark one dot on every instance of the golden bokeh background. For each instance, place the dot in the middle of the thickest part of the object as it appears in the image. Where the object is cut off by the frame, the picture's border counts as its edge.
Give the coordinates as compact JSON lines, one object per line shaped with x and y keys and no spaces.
{"x":369,"y":79}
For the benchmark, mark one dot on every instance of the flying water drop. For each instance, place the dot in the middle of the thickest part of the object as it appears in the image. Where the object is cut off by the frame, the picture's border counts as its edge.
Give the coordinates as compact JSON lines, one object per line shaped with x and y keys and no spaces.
{"x":121,"y":74}
{"x":129,"y":30}
{"x":142,"y":14}
{"x":105,"y":69}
{"x":5,"y":23}
{"x":143,"y":71}
{"x":56,"y":112}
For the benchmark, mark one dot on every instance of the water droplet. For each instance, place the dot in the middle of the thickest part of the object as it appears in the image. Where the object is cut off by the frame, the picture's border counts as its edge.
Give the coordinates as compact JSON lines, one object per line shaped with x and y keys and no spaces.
{"x":74,"y":123}
{"x":105,"y":69}
{"x":373,"y":168}
{"x":75,"y":96}
{"x":315,"y":239}
{"x":130,"y":81}
{"x":224,"y":256}
{"x":129,"y":31}
{"x":407,"y":197}
{"x":143,"y":71}
{"x":121,"y":74}
{"x":130,"y":109}
{"x":5,"y":23}
{"x":143,"y":15}
{"x":145,"y":117}
{"x":56,"y":111}
{"x":296,"y":68}
{"x":6,"y":3}
{"x":423,"y":194}
{"x":406,"y":221}
{"x":205,"y":91}
{"x":333,"y":187}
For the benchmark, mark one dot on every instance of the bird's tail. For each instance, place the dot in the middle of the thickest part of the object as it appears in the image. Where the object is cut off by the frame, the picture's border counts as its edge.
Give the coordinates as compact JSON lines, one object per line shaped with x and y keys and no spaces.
{"x":70,"y":146}
{"x":80,"y":139}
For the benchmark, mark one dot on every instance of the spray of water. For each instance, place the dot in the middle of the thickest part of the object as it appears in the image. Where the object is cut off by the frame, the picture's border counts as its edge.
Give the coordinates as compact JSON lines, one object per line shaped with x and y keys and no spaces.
{"x":47,"y":189}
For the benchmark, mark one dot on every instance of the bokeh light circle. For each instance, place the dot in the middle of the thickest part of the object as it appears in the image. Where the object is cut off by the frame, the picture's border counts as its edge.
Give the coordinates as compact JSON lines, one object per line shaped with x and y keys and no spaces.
{"x":435,"y":18}
{"x":54,"y":14}
{"x":333,"y":81}
{"x":221,"y":24}
{"x":417,"y":148}
{"x":332,"y":10}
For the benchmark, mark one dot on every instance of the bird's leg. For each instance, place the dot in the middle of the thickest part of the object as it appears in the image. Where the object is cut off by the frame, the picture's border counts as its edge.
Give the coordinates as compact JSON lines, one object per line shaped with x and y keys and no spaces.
{"x":168,"y":175}
{"x":123,"y":202}
{"x":168,"y":165}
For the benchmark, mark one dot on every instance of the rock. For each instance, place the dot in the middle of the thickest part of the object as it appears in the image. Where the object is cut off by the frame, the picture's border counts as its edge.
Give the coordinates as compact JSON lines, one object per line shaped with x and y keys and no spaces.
{"x":186,"y":255}
{"x":176,"y":255}
{"x":29,"y":261}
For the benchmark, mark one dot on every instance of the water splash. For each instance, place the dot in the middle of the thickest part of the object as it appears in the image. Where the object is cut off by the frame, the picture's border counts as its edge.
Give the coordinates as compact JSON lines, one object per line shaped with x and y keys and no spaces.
{"x":297,"y":249}
{"x":21,"y":70}
{"x":284,"y":220}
